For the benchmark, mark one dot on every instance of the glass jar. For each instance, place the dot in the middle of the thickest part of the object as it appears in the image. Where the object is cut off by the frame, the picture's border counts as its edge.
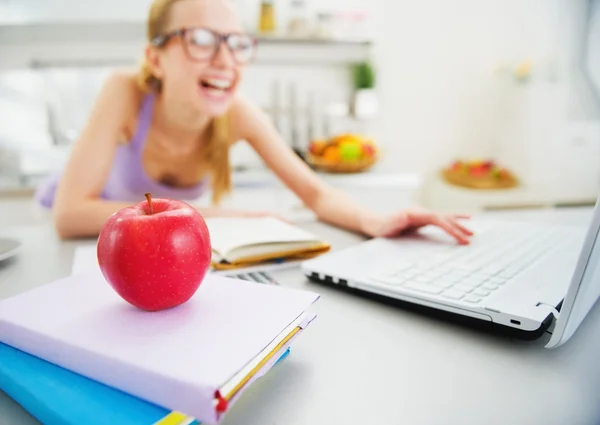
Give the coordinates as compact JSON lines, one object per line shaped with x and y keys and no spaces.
{"x":267,"y":17}
{"x":325,"y":25}
{"x":298,"y":24}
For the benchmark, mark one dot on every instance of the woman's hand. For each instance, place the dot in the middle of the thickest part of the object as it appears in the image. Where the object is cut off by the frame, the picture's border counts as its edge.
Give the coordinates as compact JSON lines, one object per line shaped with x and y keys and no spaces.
{"x":415,"y":218}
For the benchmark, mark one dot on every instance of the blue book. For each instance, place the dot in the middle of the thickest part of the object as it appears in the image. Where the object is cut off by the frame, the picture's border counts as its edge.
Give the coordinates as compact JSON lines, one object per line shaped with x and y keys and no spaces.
{"x":54,"y":395}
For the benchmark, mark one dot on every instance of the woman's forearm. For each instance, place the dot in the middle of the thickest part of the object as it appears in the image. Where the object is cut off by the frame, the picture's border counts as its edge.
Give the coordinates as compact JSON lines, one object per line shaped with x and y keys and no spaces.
{"x":87,"y":218}
{"x":335,"y":207}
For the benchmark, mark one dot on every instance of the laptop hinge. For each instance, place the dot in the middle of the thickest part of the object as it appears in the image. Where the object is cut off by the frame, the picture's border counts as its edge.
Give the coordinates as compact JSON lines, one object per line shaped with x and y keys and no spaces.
{"x":552,"y":309}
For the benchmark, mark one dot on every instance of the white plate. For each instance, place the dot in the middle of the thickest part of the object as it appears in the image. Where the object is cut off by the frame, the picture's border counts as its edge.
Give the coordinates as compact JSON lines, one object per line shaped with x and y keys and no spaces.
{"x":9,"y":248}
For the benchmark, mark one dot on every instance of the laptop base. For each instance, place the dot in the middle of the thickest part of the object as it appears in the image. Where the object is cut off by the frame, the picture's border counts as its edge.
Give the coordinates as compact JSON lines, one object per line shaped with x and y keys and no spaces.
{"x":459,"y":319}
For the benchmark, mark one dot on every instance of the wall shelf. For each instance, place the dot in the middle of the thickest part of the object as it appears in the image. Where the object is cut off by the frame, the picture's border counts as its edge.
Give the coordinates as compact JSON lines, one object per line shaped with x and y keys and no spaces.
{"x":84,"y":44}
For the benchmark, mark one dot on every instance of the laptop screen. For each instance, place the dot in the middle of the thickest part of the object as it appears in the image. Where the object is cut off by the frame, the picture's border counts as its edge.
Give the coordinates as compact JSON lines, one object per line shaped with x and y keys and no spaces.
{"x":584,"y":289}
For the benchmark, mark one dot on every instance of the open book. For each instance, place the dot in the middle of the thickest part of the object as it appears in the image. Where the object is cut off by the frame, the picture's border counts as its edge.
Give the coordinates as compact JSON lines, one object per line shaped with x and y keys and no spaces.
{"x":240,"y":242}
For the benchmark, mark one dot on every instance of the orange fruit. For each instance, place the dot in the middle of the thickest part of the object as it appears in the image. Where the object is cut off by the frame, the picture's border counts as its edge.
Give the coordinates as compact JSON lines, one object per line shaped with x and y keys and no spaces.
{"x":331,"y":154}
{"x":317,"y":147}
{"x":346,"y":138}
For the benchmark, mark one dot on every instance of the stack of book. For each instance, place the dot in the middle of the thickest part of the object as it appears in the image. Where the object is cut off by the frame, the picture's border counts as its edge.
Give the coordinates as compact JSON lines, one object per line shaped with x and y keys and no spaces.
{"x":74,"y":352}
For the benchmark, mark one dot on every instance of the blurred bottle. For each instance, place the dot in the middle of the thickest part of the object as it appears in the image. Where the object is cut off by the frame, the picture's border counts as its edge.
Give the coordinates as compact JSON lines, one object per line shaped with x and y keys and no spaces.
{"x":324,"y":28}
{"x":267,"y":17}
{"x":298,"y":24}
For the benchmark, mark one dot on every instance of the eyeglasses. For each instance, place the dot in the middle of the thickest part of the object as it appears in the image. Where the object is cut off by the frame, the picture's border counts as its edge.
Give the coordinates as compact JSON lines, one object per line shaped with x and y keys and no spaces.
{"x":203,"y":44}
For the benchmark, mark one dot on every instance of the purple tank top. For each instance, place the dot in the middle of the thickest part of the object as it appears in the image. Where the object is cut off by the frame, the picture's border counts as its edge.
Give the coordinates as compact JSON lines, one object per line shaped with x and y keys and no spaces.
{"x":128,"y":180}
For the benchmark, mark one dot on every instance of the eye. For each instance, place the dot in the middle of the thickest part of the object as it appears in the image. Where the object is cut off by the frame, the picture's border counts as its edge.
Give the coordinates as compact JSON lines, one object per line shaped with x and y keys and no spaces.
{"x":240,"y":42}
{"x":202,"y":38}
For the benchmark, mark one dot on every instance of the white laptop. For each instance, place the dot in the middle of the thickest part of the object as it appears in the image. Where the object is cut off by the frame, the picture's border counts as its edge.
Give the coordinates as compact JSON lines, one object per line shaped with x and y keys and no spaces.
{"x":519,"y":278}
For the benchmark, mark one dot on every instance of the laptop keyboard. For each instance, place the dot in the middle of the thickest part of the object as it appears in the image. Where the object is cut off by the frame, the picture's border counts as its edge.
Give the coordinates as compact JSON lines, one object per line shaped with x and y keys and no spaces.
{"x":257,"y":276}
{"x":472,"y":273}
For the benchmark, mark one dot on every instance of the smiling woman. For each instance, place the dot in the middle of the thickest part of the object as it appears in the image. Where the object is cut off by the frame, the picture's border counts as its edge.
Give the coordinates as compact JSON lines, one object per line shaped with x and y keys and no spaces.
{"x":168,"y":128}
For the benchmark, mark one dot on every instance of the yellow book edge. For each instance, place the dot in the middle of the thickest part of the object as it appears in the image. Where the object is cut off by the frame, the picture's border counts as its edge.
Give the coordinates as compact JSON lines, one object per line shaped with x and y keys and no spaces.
{"x":287,"y":255}
{"x":261,"y":364}
{"x":178,"y":418}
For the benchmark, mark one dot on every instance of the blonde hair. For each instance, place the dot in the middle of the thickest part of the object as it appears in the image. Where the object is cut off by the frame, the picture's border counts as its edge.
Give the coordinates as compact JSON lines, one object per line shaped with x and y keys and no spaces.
{"x":216,"y":152}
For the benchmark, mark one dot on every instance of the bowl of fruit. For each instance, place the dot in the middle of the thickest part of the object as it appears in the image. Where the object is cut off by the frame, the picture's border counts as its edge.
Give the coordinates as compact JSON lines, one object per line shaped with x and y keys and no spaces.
{"x":479,"y":174}
{"x":345,"y":153}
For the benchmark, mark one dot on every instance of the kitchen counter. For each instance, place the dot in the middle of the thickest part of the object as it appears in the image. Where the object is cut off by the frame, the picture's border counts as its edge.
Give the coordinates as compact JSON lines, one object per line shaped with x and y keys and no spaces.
{"x":364,"y":362}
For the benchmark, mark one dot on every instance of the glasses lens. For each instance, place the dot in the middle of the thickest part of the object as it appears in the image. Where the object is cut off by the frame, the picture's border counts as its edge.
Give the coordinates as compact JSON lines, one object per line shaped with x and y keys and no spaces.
{"x":242,"y":47}
{"x":201,"y":43}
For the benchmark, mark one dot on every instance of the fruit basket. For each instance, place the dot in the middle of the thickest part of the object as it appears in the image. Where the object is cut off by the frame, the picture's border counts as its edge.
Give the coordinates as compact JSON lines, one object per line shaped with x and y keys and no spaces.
{"x":346,"y":153}
{"x":478,"y":174}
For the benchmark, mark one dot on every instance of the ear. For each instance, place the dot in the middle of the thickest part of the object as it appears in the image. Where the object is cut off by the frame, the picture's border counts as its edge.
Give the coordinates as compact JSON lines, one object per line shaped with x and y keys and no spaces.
{"x":153,"y":61}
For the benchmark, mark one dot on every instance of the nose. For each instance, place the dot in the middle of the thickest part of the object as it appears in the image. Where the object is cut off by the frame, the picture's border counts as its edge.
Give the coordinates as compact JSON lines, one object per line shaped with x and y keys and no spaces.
{"x":224,"y":57}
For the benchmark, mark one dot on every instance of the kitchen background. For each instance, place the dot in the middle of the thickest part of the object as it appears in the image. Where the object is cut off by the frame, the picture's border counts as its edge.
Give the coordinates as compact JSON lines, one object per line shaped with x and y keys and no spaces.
{"x":512,"y":80}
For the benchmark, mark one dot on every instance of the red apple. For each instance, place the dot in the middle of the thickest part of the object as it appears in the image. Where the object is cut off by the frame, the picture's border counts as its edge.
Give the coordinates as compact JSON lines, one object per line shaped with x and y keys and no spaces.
{"x":368,"y":150}
{"x":478,"y":171}
{"x":155,"y":254}
{"x":489,"y":164}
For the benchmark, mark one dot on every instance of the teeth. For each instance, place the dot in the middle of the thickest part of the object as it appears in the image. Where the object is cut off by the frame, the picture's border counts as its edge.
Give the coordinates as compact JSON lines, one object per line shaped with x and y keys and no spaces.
{"x":216,"y":92}
{"x":220,"y":84}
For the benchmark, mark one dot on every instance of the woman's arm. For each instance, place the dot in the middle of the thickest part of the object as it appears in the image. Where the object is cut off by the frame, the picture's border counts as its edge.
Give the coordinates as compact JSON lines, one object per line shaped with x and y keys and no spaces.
{"x":77,"y":210}
{"x":329,"y":204}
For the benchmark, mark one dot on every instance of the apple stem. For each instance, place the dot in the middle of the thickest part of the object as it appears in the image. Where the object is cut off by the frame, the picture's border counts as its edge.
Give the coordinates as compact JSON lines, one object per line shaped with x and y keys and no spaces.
{"x":149,"y":198}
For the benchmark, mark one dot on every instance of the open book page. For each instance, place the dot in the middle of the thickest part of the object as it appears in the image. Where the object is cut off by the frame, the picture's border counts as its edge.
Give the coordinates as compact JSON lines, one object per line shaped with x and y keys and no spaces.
{"x":233,"y":238}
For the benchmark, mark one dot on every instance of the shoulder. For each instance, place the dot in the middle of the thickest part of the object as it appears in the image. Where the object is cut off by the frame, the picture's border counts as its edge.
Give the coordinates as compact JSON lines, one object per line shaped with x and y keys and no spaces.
{"x":123,"y":84}
{"x":122,"y":94}
{"x":246,"y":120}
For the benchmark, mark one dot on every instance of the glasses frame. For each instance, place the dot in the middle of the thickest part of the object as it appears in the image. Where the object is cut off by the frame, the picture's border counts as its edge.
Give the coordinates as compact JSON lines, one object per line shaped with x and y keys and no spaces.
{"x":162,"y":40}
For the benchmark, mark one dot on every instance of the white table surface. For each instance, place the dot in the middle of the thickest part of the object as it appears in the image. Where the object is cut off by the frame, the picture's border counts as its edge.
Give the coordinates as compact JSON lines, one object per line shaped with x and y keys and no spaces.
{"x":363,"y":362}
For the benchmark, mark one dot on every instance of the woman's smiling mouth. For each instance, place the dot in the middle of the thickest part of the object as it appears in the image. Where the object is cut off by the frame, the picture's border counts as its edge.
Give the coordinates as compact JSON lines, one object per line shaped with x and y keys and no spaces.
{"x":216,"y":87}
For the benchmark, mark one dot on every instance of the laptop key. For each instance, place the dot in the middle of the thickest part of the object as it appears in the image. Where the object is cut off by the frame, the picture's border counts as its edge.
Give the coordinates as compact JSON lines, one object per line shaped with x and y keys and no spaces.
{"x":402,"y":266}
{"x":433,"y":274}
{"x":443,"y":270}
{"x":480,"y":292}
{"x":459,"y":273}
{"x":466,"y":267}
{"x":497,"y":280}
{"x":490,"y":286}
{"x":480,"y":277}
{"x":504,"y":275}
{"x":453,"y":294}
{"x":463,"y":288}
{"x":472,"y":299}
{"x":388,"y":280}
{"x":451,"y":278}
{"x":443,"y":283}
{"x":409,"y":274}
{"x":512,"y":271}
{"x":469,"y":283}
{"x":422,"y":279}
{"x":427,"y":289}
